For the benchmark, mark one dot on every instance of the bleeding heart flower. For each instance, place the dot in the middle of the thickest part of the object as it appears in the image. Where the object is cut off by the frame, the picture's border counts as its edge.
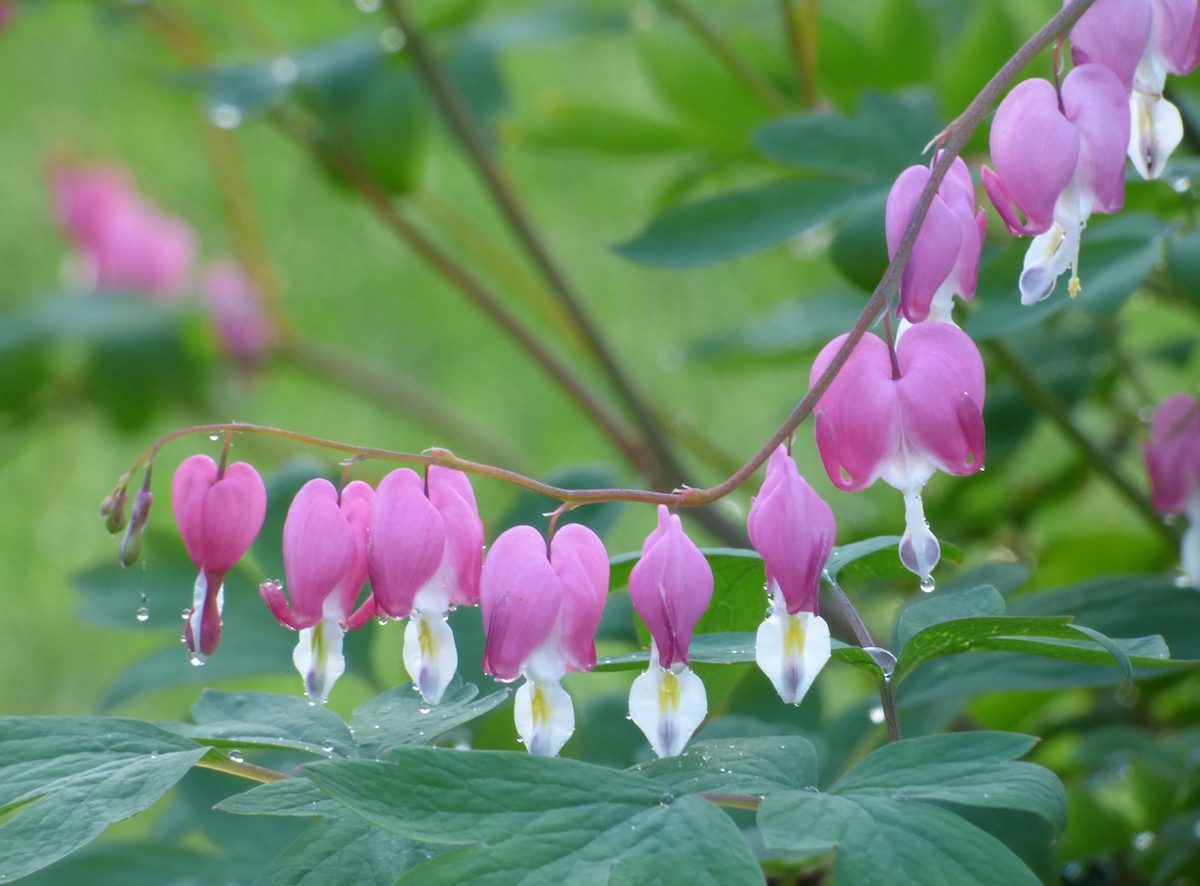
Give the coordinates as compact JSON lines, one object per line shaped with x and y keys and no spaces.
{"x":1058,"y":166}
{"x":1173,"y":462}
{"x":219,"y":514}
{"x":325,"y":559}
{"x":671,"y":586}
{"x":793,"y":529}
{"x":242,"y":323}
{"x":904,"y":422}
{"x":541,"y":609}
{"x":945,"y":257}
{"x":425,"y":556}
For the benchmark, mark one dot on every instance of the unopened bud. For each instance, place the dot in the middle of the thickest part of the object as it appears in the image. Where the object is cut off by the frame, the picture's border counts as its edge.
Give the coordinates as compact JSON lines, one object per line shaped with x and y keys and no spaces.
{"x":112,"y":509}
{"x":131,"y":543}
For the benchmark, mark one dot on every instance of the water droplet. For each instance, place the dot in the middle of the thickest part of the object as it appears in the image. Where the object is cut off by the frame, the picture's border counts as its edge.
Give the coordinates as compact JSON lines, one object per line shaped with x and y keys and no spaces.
{"x":883,"y":658}
{"x":876,"y":714}
{"x":368,"y":6}
{"x":1143,"y":841}
{"x":236,"y":756}
{"x":927,"y":585}
{"x":214,"y":437}
{"x":284,"y":70}
{"x":187,"y":613}
{"x":1181,"y":184}
{"x":383,"y":620}
{"x":1182,"y":579}
{"x":628,"y":716}
{"x":327,"y":747}
{"x":154,"y":755}
{"x":225,"y":116}
{"x":143,"y":614}
{"x":197,"y":660}
{"x":453,"y":607}
{"x":391,"y":40}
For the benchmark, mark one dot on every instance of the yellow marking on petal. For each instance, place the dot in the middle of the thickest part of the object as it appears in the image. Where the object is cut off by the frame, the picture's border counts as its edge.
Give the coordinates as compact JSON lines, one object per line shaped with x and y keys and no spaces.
{"x":793,"y":638}
{"x":1074,"y":287}
{"x":539,"y":707}
{"x":318,"y":641}
{"x":425,"y":640}
{"x":668,"y":693}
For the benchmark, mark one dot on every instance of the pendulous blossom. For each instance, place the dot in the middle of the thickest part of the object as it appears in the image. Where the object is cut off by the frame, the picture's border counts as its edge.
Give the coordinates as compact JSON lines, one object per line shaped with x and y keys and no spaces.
{"x":1058,"y":165}
{"x":793,"y":529}
{"x":671,"y":586}
{"x":1173,"y":463}
{"x":245,"y":330}
{"x":1142,"y":41}
{"x":425,"y":556}
{"x":902,"y":422}
{"x":122,"y":242}
{"x":325,"y":559}
{"x":541,"y":608}
{"x":945,"y":257}
{"x":219,"y":511}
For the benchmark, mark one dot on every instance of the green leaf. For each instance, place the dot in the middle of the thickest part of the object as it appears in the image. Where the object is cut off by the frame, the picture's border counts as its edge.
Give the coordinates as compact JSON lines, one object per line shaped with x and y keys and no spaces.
{"x":67,"y":779}
{"x":726,"y":648}
{"x":400,"y":716}
{"x":141,"y":863}
{"x":266,"y":719}
{"x":792,"y":330}
{"x":970,"y":768}
{"x":926,"y":611}
{"x":341,"y":848}
{"x":1183,"y":263}
{"x":739,"y":223}
{"x":746,"y":766}
{"x":850,"y":147}
{"x":905,"y":844}
{"x":531,"y":508}
{"x":531,"y":818}
{"x":859,"y":249}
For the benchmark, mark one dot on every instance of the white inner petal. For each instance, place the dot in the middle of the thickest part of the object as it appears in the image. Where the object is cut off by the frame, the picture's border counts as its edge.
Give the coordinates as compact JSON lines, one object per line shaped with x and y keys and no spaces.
{"x":430,"y":656}
{"x":318,"y":658}
{"x":791,"y":650}
{"x":668,"y":706}
{"x":545,"y":717}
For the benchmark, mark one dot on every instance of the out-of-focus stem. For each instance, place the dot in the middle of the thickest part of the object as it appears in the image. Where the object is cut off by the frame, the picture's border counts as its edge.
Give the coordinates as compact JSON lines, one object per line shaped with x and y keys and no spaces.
{"x":241,"y":770}
{"x":800,"y":18}
{"x":730,"y":57}
{"x":887,"y":690}
{"x":407,"y":395}
{"x":1049,"y":403}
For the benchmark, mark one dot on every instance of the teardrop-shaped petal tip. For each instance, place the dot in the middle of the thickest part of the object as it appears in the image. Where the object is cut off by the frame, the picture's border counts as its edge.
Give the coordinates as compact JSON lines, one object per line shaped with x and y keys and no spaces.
{"x":668,"y":706}
{"x":791,"y":650}
{"x":430,"y":655}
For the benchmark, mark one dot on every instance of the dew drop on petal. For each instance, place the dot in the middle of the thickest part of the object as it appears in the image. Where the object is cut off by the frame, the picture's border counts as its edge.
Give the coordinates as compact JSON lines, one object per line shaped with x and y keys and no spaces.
{"x":424,"y":709}
{"x":927,"y":584}
{"x":236,"y":756}
{"x":876,"y":714}
{"x":143,"y":613}
{"x":197,"y":660}
{"x":383,"y":620}
{"x":327,"y":747}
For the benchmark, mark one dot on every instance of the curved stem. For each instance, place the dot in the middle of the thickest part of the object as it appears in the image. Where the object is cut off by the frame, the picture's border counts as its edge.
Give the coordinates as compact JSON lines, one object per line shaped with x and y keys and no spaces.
{"x":241,"y":770}
{"x":733,"y":801}
{"x":887,"y":690}
{"x":801,"y":20}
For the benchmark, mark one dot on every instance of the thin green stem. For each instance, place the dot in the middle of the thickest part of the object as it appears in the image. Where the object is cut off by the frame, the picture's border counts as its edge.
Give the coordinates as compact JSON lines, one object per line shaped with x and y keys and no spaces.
{"x":887,"y":690}
{"x":1049,"y":403}
{"x":708,"y":34}
{"x":733,"y":801}
{"x":800,"y":18}
{"x":241,"y":770}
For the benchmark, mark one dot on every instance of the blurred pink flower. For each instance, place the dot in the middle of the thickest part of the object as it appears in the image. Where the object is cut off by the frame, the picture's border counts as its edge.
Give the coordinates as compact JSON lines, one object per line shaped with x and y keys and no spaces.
{"x":122,"y":242}
{"x":219,"y":516}
{"x":1173,"y":462}
{"x":325,"y":561}
{"x":945,"y":257}
{"x":1058,"y":164}
{"x":241,"y":321}
{"x":875,"y":422}
{"x":541,"y":609}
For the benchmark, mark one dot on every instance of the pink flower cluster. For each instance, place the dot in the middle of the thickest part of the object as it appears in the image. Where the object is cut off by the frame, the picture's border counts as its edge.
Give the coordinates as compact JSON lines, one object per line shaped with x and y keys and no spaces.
{"x":1173,"y":462}
{"x":124,"y":243}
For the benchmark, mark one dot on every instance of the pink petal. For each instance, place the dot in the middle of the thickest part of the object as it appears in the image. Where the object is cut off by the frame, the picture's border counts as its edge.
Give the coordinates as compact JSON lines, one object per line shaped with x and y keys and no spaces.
{"x":1113,"y":33}
{"x":793,"y":530}
{"x":450,"y":492}
{"x":520,"y":595}
{"x":84,"y":197}
{"x":936,"y":250}
{"x":579,"y":560}
{"x":193,"y":478}
{"x":1177,"y":34}
{"x":941,"y":390}
{"x":671,"y":586}
{"x":277,"y":602}
{"x":355,"y":504}
{"x":857,"y":420}
{"x":318,"y":548}
{"x":407,"y":542}
{"x":1035,"y":150}
{"x":233,"y":514}
{"x":241,"y":321}
{"x":1096,"y":103}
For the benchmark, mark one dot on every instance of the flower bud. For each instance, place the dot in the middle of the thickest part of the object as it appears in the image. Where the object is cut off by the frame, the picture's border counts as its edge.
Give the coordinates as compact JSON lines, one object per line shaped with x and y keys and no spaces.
{"x":112,"y":510}
{"x":131,"y":543}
